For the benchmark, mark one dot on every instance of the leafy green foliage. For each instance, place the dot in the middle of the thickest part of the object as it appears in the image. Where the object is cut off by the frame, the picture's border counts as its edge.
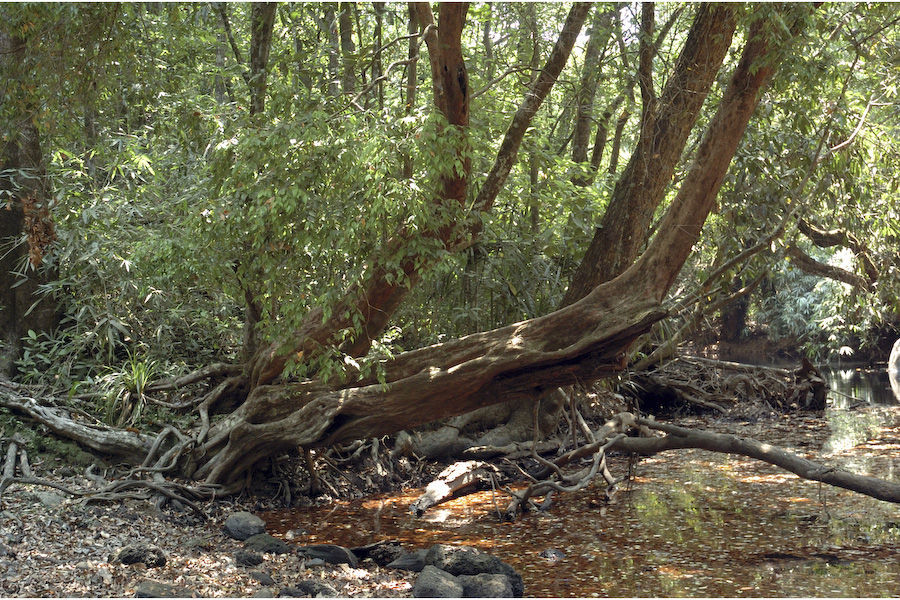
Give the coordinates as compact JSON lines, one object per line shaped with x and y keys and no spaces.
{"x":175,"y":207}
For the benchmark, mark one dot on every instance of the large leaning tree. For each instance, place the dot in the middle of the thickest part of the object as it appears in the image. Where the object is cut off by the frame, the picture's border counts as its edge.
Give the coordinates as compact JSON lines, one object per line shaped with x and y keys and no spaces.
{"x":284,"y":396}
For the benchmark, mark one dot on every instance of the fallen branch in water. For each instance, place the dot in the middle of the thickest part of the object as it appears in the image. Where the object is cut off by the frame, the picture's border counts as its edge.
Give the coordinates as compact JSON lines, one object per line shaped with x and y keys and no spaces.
{"x":681,"y":438}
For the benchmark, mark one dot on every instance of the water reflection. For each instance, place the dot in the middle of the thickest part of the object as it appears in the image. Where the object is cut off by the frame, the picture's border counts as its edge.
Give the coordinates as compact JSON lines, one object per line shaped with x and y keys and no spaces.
{"x":859,"y":382}
{"x":693,"y":524}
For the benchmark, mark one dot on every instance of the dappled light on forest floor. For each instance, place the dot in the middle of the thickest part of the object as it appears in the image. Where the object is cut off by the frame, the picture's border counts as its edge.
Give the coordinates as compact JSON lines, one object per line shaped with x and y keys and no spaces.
{"x":692,"y":523}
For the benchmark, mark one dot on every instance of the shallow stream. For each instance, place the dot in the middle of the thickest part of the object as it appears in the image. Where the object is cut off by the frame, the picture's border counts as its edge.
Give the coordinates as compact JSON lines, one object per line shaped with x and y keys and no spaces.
{"x":692,"y":523}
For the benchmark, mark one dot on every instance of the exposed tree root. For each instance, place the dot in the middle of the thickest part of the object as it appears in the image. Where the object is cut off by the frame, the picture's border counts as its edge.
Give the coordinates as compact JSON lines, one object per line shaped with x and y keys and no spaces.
{"x":697,"y":384}
{"x":207,"y":372}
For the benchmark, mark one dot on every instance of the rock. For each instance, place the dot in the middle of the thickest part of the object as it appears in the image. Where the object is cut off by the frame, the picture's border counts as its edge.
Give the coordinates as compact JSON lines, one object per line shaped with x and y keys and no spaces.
{"x":330,"y":553}
{"x":246,"y":558}
{"x":294,"y":534}
{"x":411,"y":561}
{"x":309,"y":588}
{"x":198,"y":542}
{"x":149,"y":588}
{"x":241,"y":525}
{"x":465,"y":560}
{"x":263,"y":578}
{"x":263,"y":593}
{"x":381,"y":553}
{"x":435,"y":583}
{"x":49,"y":499}
{"x":486,"y":585}
{"x":263,"y":542}
{"x":142,"y":553}
{"x":552,"y":554}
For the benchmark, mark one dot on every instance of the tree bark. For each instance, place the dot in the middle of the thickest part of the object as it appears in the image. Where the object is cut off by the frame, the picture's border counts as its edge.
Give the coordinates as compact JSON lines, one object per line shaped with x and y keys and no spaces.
{"x":348,"y":50}
{"x":837,"y":237}
{"x":665,"y":126}
{"x":333,"y":85}
{"x":806,"y":263}
{"x":25,"y":220}
{"x":262,"y":22}
{"x":590,"y":74}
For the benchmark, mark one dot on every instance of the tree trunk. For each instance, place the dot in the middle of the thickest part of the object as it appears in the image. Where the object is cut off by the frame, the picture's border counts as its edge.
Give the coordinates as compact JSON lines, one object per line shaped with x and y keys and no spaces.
{"x":348,"y":50}
{"x":333,"y":85}
{"x":665,"y":125}
{"x":579,"y":343}
{"x":374,"y":300}
{"x":25,"y":221}
{"x":262,"y":22}
{"x":590,"y":74}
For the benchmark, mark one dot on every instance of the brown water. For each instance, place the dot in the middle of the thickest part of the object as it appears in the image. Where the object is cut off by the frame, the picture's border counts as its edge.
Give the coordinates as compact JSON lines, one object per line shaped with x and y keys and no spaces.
{"x":693,"y":523}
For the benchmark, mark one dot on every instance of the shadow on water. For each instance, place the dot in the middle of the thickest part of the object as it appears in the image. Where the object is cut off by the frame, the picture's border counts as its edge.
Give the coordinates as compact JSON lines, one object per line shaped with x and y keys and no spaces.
{"x":692,"y":523}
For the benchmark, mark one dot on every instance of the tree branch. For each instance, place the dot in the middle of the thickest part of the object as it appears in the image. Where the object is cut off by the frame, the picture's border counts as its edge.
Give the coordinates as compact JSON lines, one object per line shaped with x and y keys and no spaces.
{"x":680,"y":438}
{"x":814,"y":267}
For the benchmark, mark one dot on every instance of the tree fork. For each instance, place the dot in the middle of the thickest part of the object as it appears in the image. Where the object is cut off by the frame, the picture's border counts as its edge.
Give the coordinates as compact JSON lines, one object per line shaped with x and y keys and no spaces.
{"x":377,"y":298}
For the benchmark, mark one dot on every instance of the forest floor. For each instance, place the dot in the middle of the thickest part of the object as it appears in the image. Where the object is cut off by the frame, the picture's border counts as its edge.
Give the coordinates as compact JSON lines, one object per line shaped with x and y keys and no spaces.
{"x":54,"y":546}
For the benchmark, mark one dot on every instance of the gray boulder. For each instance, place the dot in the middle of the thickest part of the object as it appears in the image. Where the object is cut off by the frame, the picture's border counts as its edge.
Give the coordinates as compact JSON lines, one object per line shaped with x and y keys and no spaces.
{"x":435,"y":583}
{"x":465,"y":560}
{"x":330,"y":553}
{"x":142,"y":553}
{"x":486,"y":585}
{"x":411,"y":561}
{"x":241,"y":525}
{"x":263,"y":542}
{"x":262,"y":578}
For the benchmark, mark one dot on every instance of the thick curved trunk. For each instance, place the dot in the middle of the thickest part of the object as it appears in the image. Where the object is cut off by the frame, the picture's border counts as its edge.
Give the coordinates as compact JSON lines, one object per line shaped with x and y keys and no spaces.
{"x":582,"y":342}
{"x":666,"y":124}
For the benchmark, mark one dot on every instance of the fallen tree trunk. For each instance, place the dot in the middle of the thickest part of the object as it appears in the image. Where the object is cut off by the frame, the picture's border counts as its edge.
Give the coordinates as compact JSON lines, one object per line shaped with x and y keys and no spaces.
{"x":612,"y":437}
{"x":122,"y":443}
